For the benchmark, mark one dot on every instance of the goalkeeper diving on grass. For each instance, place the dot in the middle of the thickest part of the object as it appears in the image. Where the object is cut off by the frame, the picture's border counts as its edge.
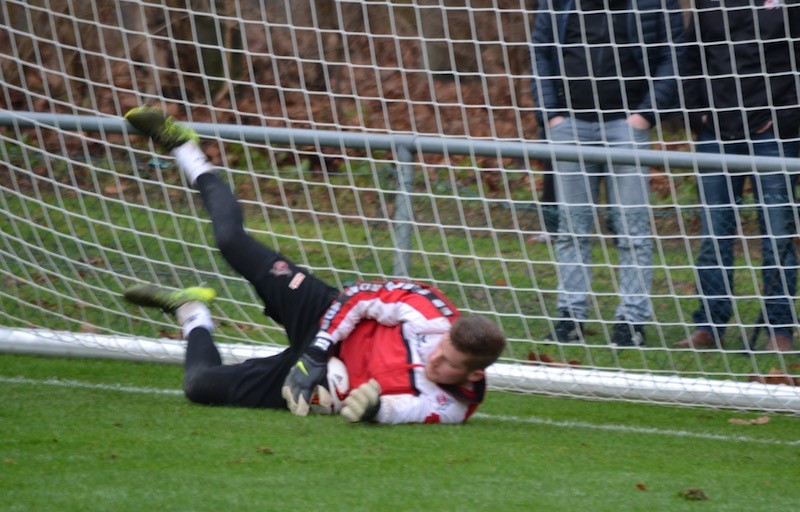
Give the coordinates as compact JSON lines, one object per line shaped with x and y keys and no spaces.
{"x":411,"y":357}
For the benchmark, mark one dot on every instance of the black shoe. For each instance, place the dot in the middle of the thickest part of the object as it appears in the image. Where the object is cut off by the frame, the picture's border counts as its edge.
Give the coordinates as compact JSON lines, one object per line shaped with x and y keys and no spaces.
{"x":566,"y":330}
{"x":154,"y":296}
{"x":164,"y":130}
{"x":628,"y":335}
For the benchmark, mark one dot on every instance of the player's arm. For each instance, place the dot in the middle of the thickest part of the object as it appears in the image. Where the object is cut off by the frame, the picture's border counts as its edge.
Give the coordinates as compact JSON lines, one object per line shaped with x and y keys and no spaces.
{"x":419,"y":409}
{"x":693,"y":78}
{"x":660,"y":58}
{"x":546,"y":83}
{"x":365,"y":403}
{"x":793,"y":22}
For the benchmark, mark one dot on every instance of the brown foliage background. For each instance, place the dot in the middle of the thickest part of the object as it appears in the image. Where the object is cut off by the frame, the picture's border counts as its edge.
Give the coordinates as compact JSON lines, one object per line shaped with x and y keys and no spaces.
{"x":450,"y":68}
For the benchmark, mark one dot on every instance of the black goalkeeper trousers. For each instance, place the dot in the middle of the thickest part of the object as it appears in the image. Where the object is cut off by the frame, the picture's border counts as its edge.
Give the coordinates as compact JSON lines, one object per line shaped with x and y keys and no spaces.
{"x":291,"y":297}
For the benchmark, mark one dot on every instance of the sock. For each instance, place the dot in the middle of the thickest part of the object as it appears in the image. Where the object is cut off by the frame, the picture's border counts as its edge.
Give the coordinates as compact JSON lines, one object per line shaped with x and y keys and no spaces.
{"x":192,"y":161}
{"x":194,"y":314}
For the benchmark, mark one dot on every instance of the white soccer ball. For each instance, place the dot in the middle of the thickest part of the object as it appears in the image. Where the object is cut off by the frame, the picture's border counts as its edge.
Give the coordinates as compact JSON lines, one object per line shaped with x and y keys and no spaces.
{"x":329,"y":396}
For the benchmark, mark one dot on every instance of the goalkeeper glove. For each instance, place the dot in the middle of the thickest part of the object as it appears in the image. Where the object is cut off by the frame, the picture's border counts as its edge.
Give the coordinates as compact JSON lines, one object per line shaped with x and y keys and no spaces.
{"x":363,"y":403}
{"x":304,"y":376}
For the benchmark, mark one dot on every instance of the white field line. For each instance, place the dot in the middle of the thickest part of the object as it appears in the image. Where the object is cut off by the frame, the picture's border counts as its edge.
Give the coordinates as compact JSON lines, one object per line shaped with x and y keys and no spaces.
{"x":510,"y":419}
{"x":636,"y":430}
{"x":88,"y":385}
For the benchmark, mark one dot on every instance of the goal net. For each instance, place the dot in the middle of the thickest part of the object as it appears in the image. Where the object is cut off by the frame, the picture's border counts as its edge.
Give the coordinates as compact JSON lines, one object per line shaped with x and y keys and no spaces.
{"x":366,"y":140}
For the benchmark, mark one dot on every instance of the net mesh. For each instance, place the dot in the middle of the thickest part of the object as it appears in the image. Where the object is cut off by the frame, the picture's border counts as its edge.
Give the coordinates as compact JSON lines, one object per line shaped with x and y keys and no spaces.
{"x":87,"y":213}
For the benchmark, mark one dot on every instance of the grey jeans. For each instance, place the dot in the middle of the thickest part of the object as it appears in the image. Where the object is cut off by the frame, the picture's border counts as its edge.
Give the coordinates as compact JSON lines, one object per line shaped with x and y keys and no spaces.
{"x":577,"y":192}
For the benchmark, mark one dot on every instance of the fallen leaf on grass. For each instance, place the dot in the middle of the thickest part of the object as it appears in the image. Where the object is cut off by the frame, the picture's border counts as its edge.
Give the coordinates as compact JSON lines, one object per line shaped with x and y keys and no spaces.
{"x":265,"y":450}
{"x":775,"y":376}
{"x":169,"y":334}
{"x":89,"y":328}
{"x":540,"y":358}
{"x":641,"y":486}
{"x":114,"y":189}
{"x":693,"y":494}
{"x":547,"y":360}
{"x":761,"y":420}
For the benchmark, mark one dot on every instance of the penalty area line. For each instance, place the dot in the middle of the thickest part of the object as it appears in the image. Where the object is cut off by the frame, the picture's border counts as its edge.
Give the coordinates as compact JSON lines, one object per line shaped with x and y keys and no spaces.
{"x":88,"y":385}
{"x":634,"y":430}
{"x":491,"y":417}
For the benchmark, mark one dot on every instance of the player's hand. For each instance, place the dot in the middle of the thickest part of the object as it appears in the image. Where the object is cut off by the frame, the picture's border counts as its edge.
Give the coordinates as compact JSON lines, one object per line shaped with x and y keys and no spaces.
{"x":639,"y":121}
{"x":363,"y":403}
{"x":303,"y":377}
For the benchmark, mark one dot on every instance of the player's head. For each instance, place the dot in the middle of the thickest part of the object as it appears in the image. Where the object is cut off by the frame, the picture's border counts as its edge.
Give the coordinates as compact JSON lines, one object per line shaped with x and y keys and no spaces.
{"x":473,"y":343}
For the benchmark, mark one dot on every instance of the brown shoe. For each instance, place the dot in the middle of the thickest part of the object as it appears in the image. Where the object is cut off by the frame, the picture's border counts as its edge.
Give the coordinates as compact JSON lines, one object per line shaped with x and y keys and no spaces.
{"x":698,"y":339}
{"x":780,"y":343}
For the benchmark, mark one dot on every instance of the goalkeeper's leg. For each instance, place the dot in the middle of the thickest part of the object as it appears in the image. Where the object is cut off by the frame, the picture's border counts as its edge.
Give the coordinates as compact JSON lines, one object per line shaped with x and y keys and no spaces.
{"x":291,"y":297}
{"x":205,"y":380}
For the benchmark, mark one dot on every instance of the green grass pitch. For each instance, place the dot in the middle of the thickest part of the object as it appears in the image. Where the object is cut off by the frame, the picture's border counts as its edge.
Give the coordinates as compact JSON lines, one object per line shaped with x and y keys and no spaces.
{"x":109,"y":435}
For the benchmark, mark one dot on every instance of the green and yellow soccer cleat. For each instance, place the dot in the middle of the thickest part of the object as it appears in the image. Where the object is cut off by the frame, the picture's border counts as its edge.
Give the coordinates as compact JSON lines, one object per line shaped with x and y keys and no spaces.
{"x":154,"y":296}
{"x":164,"y":131}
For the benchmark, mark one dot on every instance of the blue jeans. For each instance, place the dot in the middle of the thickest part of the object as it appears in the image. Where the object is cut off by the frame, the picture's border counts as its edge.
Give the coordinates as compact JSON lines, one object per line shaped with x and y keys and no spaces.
{"x":720,"y":196}
{"x":577,"y":192}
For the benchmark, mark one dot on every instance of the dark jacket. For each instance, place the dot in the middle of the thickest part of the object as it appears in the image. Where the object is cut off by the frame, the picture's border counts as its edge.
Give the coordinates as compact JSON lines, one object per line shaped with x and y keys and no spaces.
{"x":741,"y":66}
{"x":658,"y":21}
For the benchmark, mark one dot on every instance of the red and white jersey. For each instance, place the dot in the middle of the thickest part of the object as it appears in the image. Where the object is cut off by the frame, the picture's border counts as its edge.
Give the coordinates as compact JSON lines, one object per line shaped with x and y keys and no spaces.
{"x":387,"y":331}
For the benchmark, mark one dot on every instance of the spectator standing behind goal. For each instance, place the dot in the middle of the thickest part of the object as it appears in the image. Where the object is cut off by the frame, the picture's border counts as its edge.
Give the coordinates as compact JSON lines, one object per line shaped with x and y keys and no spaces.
{"x":411,"y":357}
{"x":740,"y":86}
{"x":602,"y":69}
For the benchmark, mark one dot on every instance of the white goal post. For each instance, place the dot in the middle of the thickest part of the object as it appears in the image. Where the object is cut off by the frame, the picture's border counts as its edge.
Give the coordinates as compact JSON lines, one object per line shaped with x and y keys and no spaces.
{"x":367,"y":139}
{"x":568,"y":382}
